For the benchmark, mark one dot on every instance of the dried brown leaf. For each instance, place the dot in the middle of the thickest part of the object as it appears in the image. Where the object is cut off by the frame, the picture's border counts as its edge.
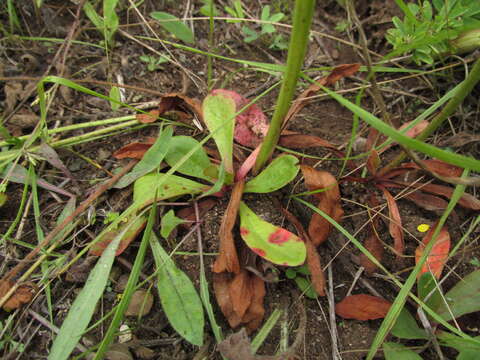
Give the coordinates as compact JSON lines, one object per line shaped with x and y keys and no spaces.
{"x":22,"y":295}
{"x":188,"y":213}
{"x":395,"y":223}
{"x":437,"y":166}
{"x":427,"y":201}
{"x":148,"y":117}
{"x":134,"y":150}
{"x":178,"y":101}
{"x":373,"y":162}
{"x":373,"y":244}
{"x":362,"y":307}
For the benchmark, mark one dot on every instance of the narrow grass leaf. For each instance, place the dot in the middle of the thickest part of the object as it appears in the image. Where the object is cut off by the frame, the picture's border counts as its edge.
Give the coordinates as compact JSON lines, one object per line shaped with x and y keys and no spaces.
{"x":428,"y":290}
{"x":276,"y":175}
{"x":84,"y":305}
{"x":178,"y":296}
{"x":394,"y":351}
{"x":197,"y":165}
{"x":174,"y":25}
{"x":129,"y":288}
{"x":150,"y":160}
{"x":447,"y":156}
{"x":114,"y":94}
{"x":273,"y":243}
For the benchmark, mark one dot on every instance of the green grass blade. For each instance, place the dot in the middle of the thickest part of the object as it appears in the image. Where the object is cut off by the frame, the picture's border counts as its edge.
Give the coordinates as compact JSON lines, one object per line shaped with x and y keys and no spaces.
{"x":175,"y":26}
{"x":129,"y":288}
{"x":265,"y":330}
{"x":84,"y":305}
{"x":449,"y":157}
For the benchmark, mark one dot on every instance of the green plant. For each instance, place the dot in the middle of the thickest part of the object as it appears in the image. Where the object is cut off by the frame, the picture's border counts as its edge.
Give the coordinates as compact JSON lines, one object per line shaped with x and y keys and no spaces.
{"x":236,"y":11}
{"x":153,"y":63}
{"x":267,"y":30}
{"x":435,"y":28}
{"x":300,"y":276}
{"x":106,"y":24}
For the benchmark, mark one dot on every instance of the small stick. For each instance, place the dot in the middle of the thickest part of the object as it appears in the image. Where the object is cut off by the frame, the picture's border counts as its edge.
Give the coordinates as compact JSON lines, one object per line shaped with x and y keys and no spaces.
{"x":331,"y":308}
{"x":80,"y":209}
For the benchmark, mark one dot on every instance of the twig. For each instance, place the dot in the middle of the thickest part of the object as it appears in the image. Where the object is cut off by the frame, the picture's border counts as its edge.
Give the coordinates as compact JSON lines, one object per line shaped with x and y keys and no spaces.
{"x":331,"y":311}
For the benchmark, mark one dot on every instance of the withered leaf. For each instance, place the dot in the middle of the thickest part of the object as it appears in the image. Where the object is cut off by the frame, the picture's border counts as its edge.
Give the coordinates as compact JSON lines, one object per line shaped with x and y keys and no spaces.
{"x":395,"y":223}
{"x":22,"y":295}
{"x":134,"y":150}
{"x":437,"y":166}
{"x":179,"y":101}
{"x":362,"y":307}
{"x":438,"y":255}
{"x":149,"y":117}
{"x":427,"y":201}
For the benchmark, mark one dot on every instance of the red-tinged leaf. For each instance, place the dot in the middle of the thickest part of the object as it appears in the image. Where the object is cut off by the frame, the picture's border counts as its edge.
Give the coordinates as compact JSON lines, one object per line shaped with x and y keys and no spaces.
{"x":247,"y":165}
{"x":227,"y":259}
{"x":188,"y":213}
{"x":301,"y":141}
{"x":395,"y":223}
{"x":362,"y":307}
{"x":466,"y":200}
{"x":148,"y":117}
{"x":427,"y":201}
{"x":251,"y":125}
{"x":329,"y":202}
{"x":313,"y":258}
{"x":416,"y":130}
{"x":22,"y":295}
{"x":437,"y":166}
{"x":373,"y":162}
{"x":337,"y":73}
{"x":178,"y":101}
{"x":134,"y":150}
{"x":438,"y":255}
{"x":373,"y":244}
{"x":130,"y":235}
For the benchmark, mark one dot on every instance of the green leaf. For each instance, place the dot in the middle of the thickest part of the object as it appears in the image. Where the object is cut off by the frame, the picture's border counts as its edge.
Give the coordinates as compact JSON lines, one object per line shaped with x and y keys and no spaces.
{"x":219,"y":115}
{"x":168,"y":223}
{"x":468,"y":350}
{"x":426,"y":284}
{"x":84,"y":305}
{"x":3,"y":199}
{"x":114,"y":94}
{"x":463,"y":298}
{"x":196,"y":165}
{"x":250,"y":35}
{"x":178,"y":296}
{"x":394,"y":351}
{"x":276,"y":175}
{"x":406,"y":327}
{"x":151,"y":159}
{"x":305,"y":287}
{"x":270,"y":242}
{"x":96,"y":19}
{"x":175,"y":26}
{"x":168,"y":186}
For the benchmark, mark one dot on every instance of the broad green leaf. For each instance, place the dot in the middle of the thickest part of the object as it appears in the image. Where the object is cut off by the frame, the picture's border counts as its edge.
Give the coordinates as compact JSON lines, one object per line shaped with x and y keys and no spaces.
{"x":406,"y":327}
{"x":426,"y":284}
{"x":114,"y":94}
{"x":84,"y":305}
{"x":175,"y":26}
{"x":276,"y":175}
{"x":196,"y":165}
{"x":178,"y":296}
{"x":394,"y":351}
{"x":463,"y":298}
{"x":273,"y":243}
{"x":219,"y":115}
{"x":151,"y":159}
{"x":168,"y":223}
{"x":467,"y":350}
{"x":166,"y":186}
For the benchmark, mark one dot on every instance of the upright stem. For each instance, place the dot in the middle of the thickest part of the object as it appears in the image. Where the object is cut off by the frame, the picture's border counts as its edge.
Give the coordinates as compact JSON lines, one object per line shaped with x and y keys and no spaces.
{"x":466,"y":87}
{"x":302,"y":19}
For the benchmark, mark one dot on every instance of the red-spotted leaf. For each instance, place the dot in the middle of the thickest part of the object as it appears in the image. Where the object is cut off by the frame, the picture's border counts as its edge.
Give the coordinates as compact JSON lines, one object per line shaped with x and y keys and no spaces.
{"x":438,"y":255}
{"x":273,"y":243}
{"x":251,"y":125}
{"x":362,"y":307}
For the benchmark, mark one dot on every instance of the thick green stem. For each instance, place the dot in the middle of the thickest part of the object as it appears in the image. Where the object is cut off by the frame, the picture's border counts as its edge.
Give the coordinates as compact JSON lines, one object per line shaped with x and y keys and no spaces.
{"x":302,"y":19}
{"x":466,"y":87}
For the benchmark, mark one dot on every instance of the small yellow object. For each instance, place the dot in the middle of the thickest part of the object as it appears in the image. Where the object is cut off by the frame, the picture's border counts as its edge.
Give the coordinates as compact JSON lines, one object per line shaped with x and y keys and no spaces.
{"x":423,"y":227}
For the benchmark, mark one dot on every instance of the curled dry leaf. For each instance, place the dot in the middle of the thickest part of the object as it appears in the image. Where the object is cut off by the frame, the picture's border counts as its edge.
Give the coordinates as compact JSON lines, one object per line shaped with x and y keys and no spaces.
{"x":227,"y":259}
{"x":140,"y":304}
{"x":438,"y":255}
{"x":134,"y":150}
{"x":148,"y":117}
{"x":395,"y":223}
{"x":329,"y":202}
{"x":22,"y":295}
{"x":240,"y":297}
{"x":180,"y":102}
{"x":251,"y":125}
{"x":362,"y":307}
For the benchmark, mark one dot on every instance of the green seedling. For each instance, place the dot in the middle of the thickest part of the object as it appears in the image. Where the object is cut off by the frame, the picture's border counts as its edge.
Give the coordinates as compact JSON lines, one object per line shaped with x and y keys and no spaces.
{"x":235,"y":11}
{"x":153,"y":62}
{"x":435,"y":28}
{"x":106,"y":24}
{"x":267,"y":30}
{"x":206,"y":8}
{"x":300,"y":276}
{"x":174,"y":26}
